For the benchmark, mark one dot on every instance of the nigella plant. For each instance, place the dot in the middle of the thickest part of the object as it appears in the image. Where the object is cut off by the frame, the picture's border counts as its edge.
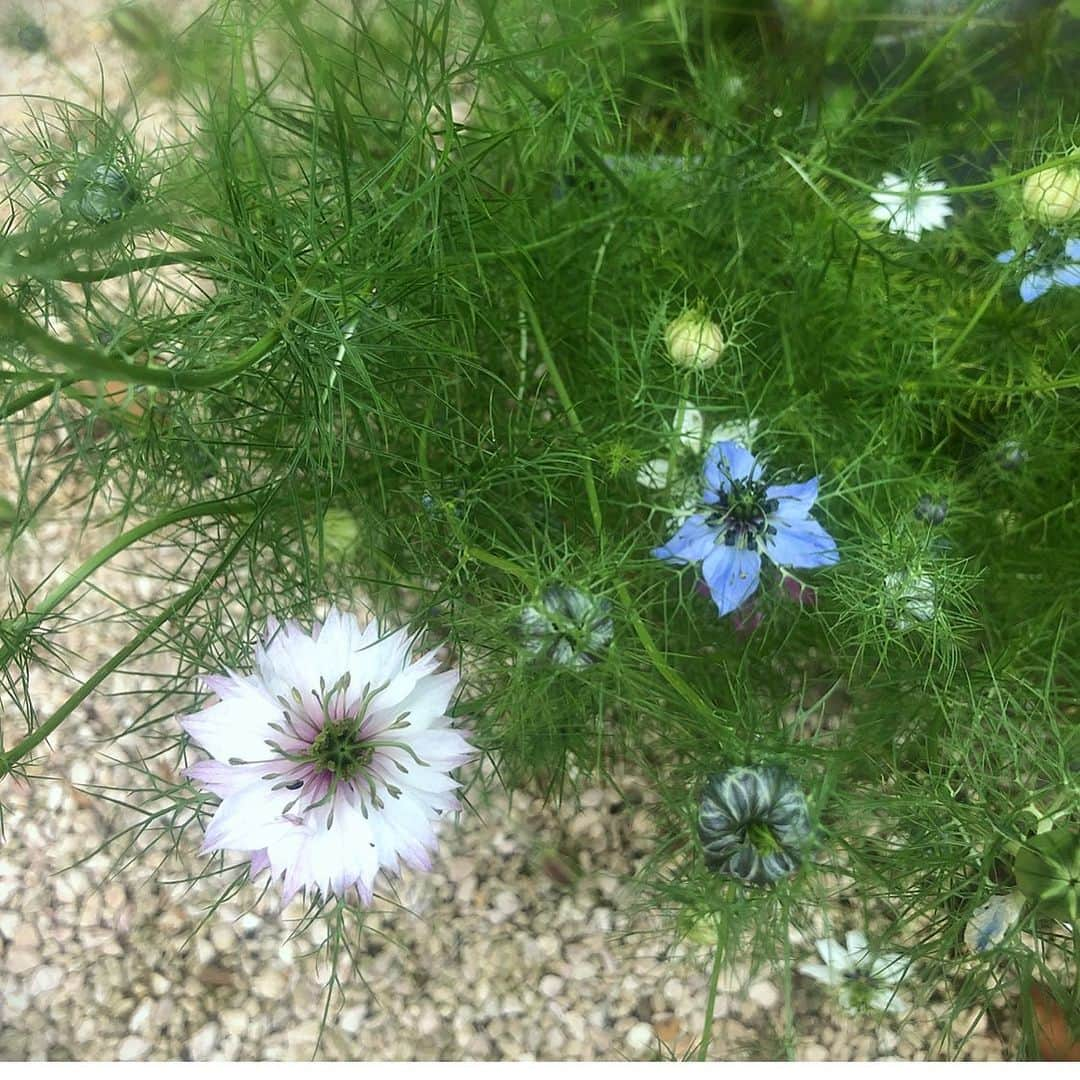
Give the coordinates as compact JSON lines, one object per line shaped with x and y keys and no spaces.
{"x":742,"y":519}
{"x":754,"y":824}
{"x":332,"y":759}
{"x":566,"y":626}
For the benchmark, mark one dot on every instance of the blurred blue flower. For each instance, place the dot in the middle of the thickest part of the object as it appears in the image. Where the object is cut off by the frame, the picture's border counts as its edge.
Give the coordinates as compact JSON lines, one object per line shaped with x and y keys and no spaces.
{"x":1062,"y":271}
{"x":742,"y":519}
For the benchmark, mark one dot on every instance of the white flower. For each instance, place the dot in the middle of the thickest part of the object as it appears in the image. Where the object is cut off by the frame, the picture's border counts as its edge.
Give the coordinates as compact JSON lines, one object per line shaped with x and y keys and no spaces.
{"x":332,"y":758}
{"x":913,"y":594}
{"x":992,"y":921}
{"x":906,"y":207}
{"x":689,"y":428}
{"x":863,"y":979}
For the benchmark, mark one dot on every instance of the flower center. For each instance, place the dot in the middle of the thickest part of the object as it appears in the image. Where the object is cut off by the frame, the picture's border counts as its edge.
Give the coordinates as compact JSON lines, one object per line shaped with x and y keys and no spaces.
{"x":742,"y":513}
{"x":762,"y":838}
{"x":339,"y":749}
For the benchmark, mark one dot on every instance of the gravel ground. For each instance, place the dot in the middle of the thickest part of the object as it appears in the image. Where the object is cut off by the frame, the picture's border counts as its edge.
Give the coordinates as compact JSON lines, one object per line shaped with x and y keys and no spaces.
{"x":500,"y":954}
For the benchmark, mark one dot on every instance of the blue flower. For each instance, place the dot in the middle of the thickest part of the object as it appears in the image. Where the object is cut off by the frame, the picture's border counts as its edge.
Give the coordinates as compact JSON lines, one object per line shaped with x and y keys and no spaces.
{"x":1062,"y":271}
{"x":742,"y":519}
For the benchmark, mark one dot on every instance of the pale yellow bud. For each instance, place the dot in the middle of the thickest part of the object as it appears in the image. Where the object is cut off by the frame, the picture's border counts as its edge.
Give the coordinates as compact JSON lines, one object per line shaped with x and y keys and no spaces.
{"x":340,"y":534}
{"x":694,"y":341}
{"x":1053,"y":195}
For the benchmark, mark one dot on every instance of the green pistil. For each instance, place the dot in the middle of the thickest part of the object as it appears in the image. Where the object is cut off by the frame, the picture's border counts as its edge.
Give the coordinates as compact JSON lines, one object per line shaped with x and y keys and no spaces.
{"x":338,"y":749}
{"x":762,"y":838}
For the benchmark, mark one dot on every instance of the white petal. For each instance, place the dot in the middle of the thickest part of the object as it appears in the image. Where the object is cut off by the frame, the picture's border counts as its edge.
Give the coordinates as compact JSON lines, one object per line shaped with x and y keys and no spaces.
{"x":834,"y":954}
{"x":690,"y":427}
{"x":250,"y":819}
{"x":856,"y":941}
{"x":238,"y":726}
{"x":822,"y":973}
{"x":425,"y":700}
{"x":654,"y":474}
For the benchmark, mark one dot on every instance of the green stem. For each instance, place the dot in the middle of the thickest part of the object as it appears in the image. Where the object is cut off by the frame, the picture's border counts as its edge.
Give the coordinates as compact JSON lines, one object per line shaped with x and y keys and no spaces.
{"x":496,"y":561}
{"x":927,"y":62}
{"x":670,"y":676}
{"x":28,"y":397}
{"x":710,"y":1002}
{"x":543,"y":97}
{"x":980,"y":311}
{"x":43,"y":731}
{"x":571,"y":413}
{"x":103,"y":555}
{"x":95,"y":364}
{"x":129,"y":266}
{"x":961,"y":189}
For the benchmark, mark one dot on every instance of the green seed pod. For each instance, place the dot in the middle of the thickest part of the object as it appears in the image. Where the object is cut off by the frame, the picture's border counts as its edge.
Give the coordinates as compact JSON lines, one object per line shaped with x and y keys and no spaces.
{"x":754,"y":824}
{"x":99,"y":193}
{"x":1047,"y":869}
{"x":567,"y":627}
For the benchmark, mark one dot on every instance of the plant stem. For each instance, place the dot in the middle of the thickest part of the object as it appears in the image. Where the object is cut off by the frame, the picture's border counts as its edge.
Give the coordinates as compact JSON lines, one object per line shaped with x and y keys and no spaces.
{"x":710,"y":1002}
{"x":671,"y":677}
{"x":43,"y":731}
{"x":103,"y":555}
{"x":93,"y":363}
{"x":946,"y":40}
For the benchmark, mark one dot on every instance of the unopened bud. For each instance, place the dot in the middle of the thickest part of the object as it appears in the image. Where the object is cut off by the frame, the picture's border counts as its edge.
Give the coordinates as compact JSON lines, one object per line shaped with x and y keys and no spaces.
{"x":1053,"y":195}
{"x":694,"y":341}
{"x":340,"y":534}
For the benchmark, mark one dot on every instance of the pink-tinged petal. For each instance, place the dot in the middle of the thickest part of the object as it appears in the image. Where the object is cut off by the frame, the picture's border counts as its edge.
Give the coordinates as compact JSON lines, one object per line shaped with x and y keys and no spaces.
{"x":439,"y":748}
{"x":224,"y":779}
{"x":260,"y":861}
{"x":250,"y":819}
{"x":394,"y":766}
{"x":429,"y":699}
{"x":238,"y":727}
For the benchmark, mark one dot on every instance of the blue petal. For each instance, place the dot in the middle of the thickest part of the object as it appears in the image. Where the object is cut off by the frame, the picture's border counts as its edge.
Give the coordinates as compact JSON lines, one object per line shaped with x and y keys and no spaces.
{"x":727,"y":461}
{"x":801,"y":544}
{"x":691,"y":543}
{"x":1006,"y":256}
{"x":795,"y":500}
{"x":732,"y":575}
{"x":1072,"y":248}
{"x":1068,"y":275}
{"x":1035,"y":285}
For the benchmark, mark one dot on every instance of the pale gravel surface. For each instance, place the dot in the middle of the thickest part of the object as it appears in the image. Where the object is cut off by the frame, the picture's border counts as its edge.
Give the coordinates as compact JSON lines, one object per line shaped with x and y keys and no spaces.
{"x":495,"y":960}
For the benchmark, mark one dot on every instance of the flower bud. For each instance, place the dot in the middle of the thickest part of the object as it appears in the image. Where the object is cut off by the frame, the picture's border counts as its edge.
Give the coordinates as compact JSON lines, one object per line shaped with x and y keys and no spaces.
{"x":1053,"y":195}
{"x":567,"y":627}
{"x":694,"y":341}
{"x":340,"y":535}
{"x":932,"y":511}
{"x":99,"y":193}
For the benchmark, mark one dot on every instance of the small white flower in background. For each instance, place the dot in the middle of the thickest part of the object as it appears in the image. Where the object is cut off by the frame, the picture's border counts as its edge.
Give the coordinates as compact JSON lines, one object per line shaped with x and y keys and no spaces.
{"x":689,"y":427}
{"x":992,"y":921}
{"x":913,"y":595}
{"x":909,"y":206}
{"x":865,"y":981}
{"x":332,"y":759}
